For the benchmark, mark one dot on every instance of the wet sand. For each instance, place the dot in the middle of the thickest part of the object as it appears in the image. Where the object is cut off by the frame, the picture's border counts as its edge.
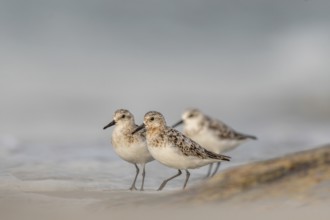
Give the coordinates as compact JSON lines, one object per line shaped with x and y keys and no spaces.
{"x":151,"y":205}
{"x":292,"y":186}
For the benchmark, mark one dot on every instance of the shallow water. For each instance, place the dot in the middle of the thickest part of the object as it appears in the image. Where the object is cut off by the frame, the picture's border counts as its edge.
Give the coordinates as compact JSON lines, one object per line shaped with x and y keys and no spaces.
{"x":96,"y":167}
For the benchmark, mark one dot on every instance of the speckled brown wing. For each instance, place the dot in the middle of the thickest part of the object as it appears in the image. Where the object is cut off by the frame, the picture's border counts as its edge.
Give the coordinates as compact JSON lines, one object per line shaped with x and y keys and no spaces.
{"x":189,"y":147}
{"x":223,"y":131}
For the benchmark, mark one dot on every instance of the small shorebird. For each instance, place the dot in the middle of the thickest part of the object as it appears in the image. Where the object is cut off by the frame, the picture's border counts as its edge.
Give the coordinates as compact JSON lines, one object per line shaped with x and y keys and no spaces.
{"x":130,"y":147}
{"x":173,"y":149}
{"x":212,"y":134}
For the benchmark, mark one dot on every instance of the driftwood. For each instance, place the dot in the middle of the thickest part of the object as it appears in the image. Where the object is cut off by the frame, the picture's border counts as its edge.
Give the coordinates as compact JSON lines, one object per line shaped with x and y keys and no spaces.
{"x":293,"y":174}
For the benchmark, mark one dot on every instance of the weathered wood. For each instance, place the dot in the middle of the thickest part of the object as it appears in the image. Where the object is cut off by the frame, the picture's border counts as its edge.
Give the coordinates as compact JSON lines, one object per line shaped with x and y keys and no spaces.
{"x":294,"y":173}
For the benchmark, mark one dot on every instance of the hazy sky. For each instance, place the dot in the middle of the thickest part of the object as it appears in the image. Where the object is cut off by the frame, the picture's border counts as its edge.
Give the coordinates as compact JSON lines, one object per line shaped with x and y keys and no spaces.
{"x":67,"y":65}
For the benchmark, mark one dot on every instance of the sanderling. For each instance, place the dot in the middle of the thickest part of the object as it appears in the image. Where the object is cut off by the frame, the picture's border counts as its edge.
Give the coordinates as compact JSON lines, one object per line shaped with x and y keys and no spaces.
{"x":130,"y":147}
{"x":173,"y":149}
{"x":212,"y":134}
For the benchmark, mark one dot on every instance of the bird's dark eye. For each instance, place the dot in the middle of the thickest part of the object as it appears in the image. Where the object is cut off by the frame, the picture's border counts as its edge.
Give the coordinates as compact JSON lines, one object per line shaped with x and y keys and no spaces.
{"x":152,"y":118}
{"x":190,"y":115}
{"x":123,"y":116}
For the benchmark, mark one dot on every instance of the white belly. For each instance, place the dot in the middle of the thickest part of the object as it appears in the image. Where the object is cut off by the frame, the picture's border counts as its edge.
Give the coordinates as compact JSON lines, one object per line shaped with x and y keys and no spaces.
{"x":137,"y":153}
{"x":171,"y":157}
{"x":133,"y":151}
{"x":213,"y":143}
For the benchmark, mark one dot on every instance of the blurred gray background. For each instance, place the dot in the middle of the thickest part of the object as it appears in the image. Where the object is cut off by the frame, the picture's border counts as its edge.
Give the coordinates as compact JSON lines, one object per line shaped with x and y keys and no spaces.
{"x":261,"y":66}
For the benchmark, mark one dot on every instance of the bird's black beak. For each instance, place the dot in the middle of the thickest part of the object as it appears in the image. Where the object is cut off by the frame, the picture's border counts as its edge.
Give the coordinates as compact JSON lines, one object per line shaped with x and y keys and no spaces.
{"x":177,"y":124}
{"x":138,"y":128}
{"x":110,"y":124}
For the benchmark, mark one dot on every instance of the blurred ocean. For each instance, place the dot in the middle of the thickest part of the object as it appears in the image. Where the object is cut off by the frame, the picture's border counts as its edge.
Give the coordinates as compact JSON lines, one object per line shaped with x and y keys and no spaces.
{"x":260,"y":66}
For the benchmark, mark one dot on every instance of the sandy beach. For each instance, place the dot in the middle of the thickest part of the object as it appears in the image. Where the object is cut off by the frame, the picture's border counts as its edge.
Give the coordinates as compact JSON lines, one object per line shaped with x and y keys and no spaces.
{"x":127,"y":205}
{"x":261,"y":67}
{"x":298,"y":193}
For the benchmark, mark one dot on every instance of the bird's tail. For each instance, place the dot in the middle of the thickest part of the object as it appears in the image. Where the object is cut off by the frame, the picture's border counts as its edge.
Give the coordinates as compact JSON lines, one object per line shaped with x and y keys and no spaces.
{"x":217,"y":156}
{"x":251,"y":137}
{"x":247,"y":136}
